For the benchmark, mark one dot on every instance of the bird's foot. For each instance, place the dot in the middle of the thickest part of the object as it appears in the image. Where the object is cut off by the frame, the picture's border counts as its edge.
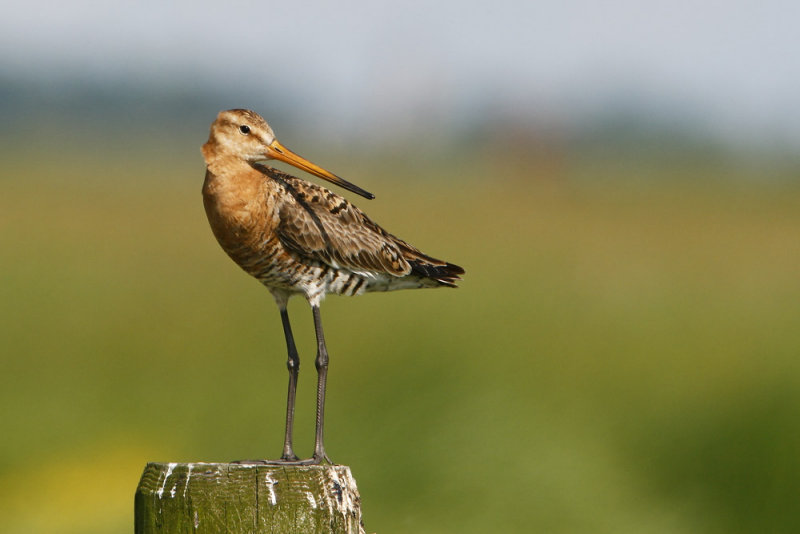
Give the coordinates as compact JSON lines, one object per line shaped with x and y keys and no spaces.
{"x":292,"y":457}
{"x":314,"y":460}
{"x":279,"y":461}
{"x":324,"y":460}
{"x":320,"y":458}
{"x":289,"y":458}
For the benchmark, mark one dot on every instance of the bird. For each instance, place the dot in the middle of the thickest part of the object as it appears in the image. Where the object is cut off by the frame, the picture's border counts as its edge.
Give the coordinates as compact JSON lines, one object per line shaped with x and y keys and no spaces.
{"x":299,"y":238}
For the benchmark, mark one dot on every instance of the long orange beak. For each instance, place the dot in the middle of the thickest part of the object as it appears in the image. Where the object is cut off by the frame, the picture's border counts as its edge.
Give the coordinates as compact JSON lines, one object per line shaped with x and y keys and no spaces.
{"x":280,"y":152}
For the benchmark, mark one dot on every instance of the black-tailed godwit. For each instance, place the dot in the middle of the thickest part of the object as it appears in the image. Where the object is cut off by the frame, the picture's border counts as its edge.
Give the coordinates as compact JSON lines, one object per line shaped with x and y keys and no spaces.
{"x":298,"y":238}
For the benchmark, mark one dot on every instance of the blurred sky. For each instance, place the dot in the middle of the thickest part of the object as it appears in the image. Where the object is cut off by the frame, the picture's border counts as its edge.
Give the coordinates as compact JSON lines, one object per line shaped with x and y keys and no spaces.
{"x":732,"y":65}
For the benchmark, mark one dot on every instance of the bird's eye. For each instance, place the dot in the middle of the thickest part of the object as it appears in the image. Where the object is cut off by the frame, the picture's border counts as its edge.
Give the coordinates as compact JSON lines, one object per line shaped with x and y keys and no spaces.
{"x":245,"y":129}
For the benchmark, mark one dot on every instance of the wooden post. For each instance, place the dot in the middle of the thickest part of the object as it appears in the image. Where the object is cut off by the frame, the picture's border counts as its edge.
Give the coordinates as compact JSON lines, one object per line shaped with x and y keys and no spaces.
{"x":217,"y":497}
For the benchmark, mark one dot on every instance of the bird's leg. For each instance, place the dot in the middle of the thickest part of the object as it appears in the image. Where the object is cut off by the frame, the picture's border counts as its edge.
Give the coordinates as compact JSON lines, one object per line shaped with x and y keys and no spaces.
{"x":293,"y":364}
{"x":321,"y":364}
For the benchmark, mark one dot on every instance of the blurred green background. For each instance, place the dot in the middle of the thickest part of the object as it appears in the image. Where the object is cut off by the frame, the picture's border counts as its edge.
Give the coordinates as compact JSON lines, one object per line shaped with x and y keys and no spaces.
{"x":622,"y":355}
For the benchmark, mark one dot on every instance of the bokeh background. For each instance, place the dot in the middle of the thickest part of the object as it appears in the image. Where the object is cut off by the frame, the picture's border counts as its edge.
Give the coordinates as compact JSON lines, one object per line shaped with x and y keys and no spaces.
{"x":620,"y":180}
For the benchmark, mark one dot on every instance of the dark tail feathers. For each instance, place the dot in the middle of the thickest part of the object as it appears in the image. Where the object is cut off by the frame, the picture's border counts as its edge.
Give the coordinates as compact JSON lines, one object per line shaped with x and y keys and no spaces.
{"x":445,"y":273}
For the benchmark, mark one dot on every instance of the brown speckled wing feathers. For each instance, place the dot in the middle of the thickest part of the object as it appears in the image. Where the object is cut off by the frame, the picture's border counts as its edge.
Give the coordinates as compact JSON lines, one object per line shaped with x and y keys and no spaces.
{"x":317,"y":224}
{"x":320,"y":225}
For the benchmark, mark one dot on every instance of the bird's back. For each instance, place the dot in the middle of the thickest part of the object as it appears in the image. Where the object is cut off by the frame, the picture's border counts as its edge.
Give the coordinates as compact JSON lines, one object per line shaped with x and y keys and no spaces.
{"x":297,"y":236}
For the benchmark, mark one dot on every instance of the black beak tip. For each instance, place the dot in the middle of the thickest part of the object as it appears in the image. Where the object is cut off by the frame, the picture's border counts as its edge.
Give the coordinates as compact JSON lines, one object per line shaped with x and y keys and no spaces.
{"x":357,"y":190}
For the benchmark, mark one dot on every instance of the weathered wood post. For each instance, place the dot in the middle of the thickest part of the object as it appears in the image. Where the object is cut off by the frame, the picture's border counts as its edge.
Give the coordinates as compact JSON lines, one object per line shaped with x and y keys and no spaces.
{"x":247,"y":497}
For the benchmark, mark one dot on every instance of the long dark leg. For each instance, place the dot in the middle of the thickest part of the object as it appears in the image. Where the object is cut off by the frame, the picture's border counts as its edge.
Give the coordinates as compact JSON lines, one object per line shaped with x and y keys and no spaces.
{"x":321,"y":364}
{"x":293,"y":364}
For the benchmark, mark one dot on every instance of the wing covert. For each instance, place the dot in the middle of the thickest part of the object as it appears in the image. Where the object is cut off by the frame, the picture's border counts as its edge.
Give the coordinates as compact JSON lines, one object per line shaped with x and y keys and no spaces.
{"x":316,"y":223}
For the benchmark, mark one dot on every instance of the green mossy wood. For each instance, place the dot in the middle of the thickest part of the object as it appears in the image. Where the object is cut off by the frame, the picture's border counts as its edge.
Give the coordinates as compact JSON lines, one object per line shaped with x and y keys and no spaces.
{"x":215,"y":497}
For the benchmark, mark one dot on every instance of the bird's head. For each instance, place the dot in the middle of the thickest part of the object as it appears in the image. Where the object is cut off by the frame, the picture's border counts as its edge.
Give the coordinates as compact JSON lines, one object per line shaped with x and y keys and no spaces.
{"x":244,"y":134}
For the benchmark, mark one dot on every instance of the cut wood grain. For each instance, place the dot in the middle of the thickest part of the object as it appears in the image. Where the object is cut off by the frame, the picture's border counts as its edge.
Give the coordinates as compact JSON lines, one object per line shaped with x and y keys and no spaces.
{"x":241,"y":497}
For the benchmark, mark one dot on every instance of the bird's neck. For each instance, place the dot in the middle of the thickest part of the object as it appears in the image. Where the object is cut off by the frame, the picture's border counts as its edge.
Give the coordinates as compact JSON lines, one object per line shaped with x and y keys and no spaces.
{"x":222,"y":164}
{"x":230,"y":176}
